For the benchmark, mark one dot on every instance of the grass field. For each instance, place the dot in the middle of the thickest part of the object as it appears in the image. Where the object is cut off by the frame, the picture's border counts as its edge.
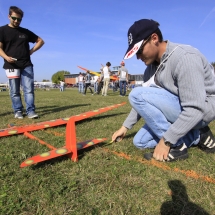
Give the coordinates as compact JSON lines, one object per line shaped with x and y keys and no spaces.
{"x":109,"y":178}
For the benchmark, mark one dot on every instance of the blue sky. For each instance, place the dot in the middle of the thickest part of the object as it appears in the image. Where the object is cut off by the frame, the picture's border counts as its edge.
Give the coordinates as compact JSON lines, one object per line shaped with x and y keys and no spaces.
{"x":91,"y":32}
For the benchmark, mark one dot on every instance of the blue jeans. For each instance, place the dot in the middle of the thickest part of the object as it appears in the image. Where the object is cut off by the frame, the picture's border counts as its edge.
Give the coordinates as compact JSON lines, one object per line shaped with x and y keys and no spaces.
{"x":80,"y":87}
{"x":27,"y":82}
{"x":122,"y":84}
{"x":95,"y":87}
{"x":159,"y":109}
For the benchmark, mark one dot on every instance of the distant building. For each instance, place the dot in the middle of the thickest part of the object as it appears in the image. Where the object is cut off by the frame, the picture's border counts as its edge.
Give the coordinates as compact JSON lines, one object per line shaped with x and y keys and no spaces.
{"x":133,"y":79}
{"x":44,"y":84}
{"x":136,"y":79}
{"x":115,"y":69}
{"x":71,"y":78}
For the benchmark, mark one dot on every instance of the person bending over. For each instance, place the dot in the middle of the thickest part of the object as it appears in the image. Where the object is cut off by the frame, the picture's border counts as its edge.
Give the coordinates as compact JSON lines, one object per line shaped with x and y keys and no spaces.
{"x":177,"y":101}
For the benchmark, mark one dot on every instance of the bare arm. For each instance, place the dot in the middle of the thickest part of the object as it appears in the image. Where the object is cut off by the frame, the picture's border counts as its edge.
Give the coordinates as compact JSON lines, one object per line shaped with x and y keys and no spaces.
{"x":39,"y":44}
{"x":3,"y":55}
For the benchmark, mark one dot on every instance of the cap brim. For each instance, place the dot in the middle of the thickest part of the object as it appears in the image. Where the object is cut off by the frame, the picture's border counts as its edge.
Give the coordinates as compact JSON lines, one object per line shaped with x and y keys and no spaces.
{"x":132,"y":51}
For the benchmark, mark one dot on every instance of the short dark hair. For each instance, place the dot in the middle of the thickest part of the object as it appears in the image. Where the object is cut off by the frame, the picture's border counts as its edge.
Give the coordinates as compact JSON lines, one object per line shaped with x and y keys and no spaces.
{"x":16,"y":10}
{"x":160,"y":36}
{"x":158,"y":32}
{"x":108,"y":64}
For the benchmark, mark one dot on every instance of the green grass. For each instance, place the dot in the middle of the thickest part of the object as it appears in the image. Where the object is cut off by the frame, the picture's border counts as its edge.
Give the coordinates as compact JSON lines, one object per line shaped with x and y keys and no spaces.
{"x":101,"y":182}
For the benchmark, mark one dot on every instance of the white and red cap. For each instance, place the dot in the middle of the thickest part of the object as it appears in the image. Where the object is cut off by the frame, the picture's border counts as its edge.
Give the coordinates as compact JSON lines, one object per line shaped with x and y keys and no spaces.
{"x":137,"y":33}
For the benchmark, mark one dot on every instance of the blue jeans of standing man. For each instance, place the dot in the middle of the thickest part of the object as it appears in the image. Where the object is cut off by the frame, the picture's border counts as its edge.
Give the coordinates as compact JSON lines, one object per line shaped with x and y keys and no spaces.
{"x":159,"y":109}
{"x":27,"y":81}
{"x":122,"y":85}
{"x":80,"y":87}
{"x":95,"y":87}
{"x":61,"y":88}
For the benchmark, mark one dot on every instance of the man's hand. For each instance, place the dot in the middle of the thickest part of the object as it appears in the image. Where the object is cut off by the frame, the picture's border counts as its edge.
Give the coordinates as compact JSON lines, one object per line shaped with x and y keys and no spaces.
{"x":10,"y":59}
{"x":120,"y":133}
{"x":161,"y":151}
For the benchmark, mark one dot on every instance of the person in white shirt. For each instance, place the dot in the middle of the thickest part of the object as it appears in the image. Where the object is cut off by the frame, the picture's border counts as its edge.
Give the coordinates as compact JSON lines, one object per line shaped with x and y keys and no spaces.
{"x":95,"y":84}
{"x":106,"y":73}
{"x":62,"y":85}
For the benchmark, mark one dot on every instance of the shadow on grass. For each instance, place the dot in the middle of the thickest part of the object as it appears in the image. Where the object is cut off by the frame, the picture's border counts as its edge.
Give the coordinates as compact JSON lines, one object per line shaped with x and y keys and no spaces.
{"x":180,"y":203}
{"x":50,"y":109}
{"x":97,"y":117}
{"x":7,"y":113}
{"x":53,"y":109}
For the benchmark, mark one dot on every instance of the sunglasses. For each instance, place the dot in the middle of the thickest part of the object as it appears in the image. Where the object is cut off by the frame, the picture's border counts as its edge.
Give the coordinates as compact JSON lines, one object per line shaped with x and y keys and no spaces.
{"x":142,"y":46}
{"x":15,"y":18}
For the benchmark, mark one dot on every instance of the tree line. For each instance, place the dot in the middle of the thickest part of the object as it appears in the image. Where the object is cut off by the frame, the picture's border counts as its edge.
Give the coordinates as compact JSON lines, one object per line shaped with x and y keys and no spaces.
{"x":59,"y":76}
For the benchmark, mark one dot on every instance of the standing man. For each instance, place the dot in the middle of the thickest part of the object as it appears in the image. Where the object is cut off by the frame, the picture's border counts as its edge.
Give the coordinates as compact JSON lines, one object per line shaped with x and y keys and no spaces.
{"x":96,"y":84}
{"x":123,"y":78}
{"x":80,"y":83}
{"x":14,"y":48}
{"x":100,"y":81}
{"x":88,"y":83}
{"x":178,"y":100}
{"x":62,"y":83}
{"x":106,"y":73}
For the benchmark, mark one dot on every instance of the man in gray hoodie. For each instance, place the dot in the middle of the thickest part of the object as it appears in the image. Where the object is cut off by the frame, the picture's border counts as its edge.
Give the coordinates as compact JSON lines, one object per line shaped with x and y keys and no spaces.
{"x":177,"y":101}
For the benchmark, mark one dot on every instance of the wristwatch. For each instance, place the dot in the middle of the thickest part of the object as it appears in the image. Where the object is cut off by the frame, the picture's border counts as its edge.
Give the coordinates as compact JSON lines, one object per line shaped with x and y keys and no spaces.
{"x":167,"y":143}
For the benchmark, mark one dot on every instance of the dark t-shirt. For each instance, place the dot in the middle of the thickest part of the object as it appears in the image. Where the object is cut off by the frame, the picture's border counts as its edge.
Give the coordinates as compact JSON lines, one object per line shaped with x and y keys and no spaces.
{"x":87,"y":78}
{"x":16,"y":44}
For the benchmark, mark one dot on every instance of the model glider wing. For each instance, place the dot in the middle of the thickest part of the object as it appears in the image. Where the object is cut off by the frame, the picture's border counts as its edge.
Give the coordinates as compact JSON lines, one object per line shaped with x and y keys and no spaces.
{"x":59,"y":152}
{"x":48,"y":124}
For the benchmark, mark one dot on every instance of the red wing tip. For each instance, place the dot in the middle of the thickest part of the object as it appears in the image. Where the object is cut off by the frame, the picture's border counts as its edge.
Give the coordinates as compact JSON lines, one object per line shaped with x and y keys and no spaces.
{"x":23,"y":164}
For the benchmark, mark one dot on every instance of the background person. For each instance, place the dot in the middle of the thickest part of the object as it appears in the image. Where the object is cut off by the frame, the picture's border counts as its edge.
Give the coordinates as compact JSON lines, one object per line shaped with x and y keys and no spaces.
{"x":178,"y":100}
{"x":106,"y":73}
{"x":62,"y":85}
{"x":123,"y":78}
{"x":80,"y":83}
{"x":87,"y":83}
{"x":14,"y":48}
{"x":100,"y":82}
{"x":95,"y":84}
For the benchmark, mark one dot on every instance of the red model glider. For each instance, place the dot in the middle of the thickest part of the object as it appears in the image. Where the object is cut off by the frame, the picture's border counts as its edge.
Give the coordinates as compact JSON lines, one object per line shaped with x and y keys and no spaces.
{"x":71,"y":146}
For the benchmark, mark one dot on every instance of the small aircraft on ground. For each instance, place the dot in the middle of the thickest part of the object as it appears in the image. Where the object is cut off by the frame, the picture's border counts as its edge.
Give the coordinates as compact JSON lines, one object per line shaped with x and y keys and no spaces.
{"x":70,"y":148}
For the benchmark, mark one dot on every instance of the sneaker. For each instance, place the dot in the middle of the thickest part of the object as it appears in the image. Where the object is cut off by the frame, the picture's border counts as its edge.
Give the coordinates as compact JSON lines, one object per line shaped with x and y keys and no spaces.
{"x":19,"y":115}
{"x":207,"y":140}
{"x":176,"y":153}
{"x":32,"y":115}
